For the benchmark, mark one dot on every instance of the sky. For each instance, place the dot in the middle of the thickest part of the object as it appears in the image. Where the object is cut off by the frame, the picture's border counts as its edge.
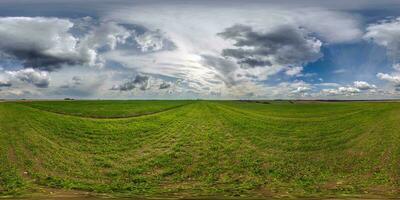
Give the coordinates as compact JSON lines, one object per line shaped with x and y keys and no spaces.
{"x":186,"y":49}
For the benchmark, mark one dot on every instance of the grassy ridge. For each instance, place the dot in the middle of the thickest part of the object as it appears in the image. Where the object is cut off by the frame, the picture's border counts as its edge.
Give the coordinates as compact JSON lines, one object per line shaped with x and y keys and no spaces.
{"x":204,"y":148}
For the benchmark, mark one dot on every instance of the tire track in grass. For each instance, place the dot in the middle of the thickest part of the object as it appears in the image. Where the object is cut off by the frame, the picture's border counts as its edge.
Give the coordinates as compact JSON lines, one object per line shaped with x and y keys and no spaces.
{"x":94,"y":136}
{"x":245,"y":161}
{"x":162,"y":138}
{"x":157,"y":133}
{"x":258,"y":115}
{"x":146,"y":165}
{"x":11,"y":177}
{"x":325,"y":137}
{"x":285,"y":112}
{"x":190,"y":152}
{"x":109,"y":117}
{"x":375,"y":125}
{"x":208,"y":149}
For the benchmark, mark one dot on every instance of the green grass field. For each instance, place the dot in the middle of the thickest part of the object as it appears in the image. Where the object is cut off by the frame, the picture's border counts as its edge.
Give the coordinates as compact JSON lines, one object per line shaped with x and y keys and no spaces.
{"x":201,"y":148}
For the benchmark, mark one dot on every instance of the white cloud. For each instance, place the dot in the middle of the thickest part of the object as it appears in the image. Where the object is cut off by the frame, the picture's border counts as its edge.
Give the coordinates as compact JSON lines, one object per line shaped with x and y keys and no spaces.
{"x":346,"y":91}
{"x":301,"y":89}
{"x":340,"y":71}
{"x":328,"y":84}
{"x":358,"y":87}
{"x":350,"y":28}
{"x":330,"y":92}
{"x":386,"y":33}
{"x":107,"y":34}
{"x":396,"y":67}
{"x":362,"y":85}
{"x":296,"y":89}
{"x":395,"y":79}
{"x":38,"y":78}
{"x":294,"y":71}
{"x":151,"y":41}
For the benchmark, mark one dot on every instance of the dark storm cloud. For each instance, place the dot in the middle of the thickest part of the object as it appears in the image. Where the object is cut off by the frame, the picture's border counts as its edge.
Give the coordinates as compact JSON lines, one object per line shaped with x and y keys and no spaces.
{"x":165,"y":85}
{"x":284,"y":45}
{"x":140,"y":81}
{"x":5,"y":84}
{"x":254,"y":62}
{"x":35,"y":58}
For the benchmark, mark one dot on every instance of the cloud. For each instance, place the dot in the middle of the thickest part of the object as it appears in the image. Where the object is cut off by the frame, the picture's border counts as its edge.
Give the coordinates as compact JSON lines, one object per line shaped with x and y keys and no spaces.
{"x":152,"y":41}
{"x":362,"y":85}
{"x":41,"y":43}
{"x":140,"y":81}
{"x":340,"y":71}
{"x":165,"y":85}
{"x":346,"y":91}
{"x":301,"y":89}
{"x":394,"y":79}
{"x":211,"y":50}
{"x":328,"y":84}
{"x":226,"y":69}
{"x":65,"y":83}
{"x":284,"y":45}
{"x":77,"y":80}
{"x":396,"y":66}
{"x":295,"y":89}
{"x":294,"y":71}
{"x":350,"y":90}
{"x":17,"y":93}
{"x":40,"y":79}
{"x":350,"y":27}
{"x":254,"y":50}
{"x":387,"y":34}
{"x":105,"y":36}
{"x":330,"y":92}
{"x":5,"y":84}
{"x":48,"y":43}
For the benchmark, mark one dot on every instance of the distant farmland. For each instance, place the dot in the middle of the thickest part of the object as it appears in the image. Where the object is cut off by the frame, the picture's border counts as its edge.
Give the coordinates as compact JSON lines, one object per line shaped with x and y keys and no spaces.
{"x":200,"y":148}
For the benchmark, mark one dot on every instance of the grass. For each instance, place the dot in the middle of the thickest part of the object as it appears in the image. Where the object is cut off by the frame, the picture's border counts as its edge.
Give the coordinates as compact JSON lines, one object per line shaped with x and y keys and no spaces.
{"x":107,"y":109}
{"x":197,"y":148}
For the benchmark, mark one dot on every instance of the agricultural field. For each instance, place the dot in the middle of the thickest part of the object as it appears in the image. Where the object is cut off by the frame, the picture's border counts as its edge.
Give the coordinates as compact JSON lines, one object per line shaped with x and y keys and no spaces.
{"x":201,"y":148}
